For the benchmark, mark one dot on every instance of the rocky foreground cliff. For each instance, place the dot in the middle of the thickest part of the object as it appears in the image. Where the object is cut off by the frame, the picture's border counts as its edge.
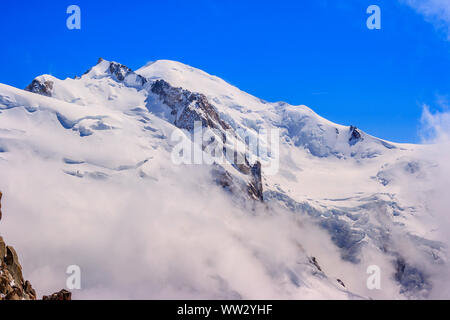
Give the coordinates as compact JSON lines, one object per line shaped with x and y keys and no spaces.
{"x":12,"y":284}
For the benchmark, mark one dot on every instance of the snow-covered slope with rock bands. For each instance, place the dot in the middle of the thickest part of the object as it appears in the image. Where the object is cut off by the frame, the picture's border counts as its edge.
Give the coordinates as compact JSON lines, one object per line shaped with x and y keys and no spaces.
{"x":92,"y":158}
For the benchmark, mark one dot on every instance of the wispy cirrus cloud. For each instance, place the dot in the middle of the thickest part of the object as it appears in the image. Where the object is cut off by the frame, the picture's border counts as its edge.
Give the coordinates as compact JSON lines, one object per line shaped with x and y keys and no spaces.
{"x":436,"y":12}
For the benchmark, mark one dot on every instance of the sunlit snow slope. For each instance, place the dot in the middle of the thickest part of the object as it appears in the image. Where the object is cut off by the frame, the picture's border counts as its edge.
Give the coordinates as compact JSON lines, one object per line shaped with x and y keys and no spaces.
{"x":88,"y":180}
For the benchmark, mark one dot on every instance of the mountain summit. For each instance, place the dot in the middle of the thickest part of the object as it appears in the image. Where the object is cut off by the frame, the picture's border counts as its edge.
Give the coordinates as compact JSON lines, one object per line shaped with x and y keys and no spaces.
{"x":300,"y":216}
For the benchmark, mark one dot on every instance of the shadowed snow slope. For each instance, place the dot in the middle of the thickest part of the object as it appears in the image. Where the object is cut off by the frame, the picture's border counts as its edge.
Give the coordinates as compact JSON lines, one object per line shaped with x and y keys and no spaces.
{"x":88,"y":179}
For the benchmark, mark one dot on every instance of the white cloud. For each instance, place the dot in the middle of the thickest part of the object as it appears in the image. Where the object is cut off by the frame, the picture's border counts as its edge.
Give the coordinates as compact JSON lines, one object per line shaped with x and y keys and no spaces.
{"x":436,"y":12}
{"x":435,"y":130}
{"x":435,"y":126}
{"x":138,"y":238}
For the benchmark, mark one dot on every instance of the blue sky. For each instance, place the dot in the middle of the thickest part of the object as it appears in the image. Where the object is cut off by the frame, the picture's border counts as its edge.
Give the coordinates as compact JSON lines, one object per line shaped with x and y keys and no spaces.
{"x":318,"y":53}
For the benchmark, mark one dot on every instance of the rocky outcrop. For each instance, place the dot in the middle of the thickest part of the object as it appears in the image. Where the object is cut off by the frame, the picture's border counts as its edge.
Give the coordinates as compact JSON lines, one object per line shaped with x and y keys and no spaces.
{"x":119,"y":71}
{"x":355,"y":136}
{"x":341,"y":282}
{"x":41,"y":86}
{"x":247,"y":190}
{"x":124,"y":74}
{"x":313,"y":261}
{"x":255,"y":187}
{"x":12,"y":284}
{"x":61,"y":295}
{"x":188,"y":107}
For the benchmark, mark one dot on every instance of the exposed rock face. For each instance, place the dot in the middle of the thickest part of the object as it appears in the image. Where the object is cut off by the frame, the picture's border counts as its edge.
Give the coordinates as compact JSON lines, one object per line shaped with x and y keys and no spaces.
{"x":251,"y":190}
{"x":355,"y":136}
{"x":61,"y":295}
{"x":12,"y":284}
{"x":341,"y":282}
{"x":123,"y":74}
{"x":188,"y":107}
{"x":2,"y":250}
{"x":41,"y":86}
{"x":255,"y":186}
{"x":119,"y":71}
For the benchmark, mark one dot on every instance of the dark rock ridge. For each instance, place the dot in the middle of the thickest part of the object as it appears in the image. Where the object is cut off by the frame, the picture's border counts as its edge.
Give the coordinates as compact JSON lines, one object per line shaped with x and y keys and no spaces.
{"x":314,"y":262}
{"x":188,"y":107}
{"x":12,"y":284}
{"x":341,"y":282}
{"x":40,"y":86}
{"x":61,"y":295}
{"x":255,"y":188}
{"x":121,"y":73}
{"x":251,"y":190}
{"x":355,"y":136}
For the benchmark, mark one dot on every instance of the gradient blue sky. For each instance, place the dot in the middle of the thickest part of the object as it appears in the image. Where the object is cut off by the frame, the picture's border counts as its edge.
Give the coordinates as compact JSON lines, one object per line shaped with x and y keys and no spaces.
{"x":319,"y":53}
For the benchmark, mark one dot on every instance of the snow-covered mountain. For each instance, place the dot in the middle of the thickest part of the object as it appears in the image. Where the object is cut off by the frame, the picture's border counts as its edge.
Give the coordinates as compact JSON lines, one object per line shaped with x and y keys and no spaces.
{"x":89,"y":179}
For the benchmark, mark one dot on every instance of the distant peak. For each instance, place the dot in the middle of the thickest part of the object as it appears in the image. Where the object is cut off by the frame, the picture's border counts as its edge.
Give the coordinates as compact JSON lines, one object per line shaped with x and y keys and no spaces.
{"x":120,"y":71}
{"x":106,"y":67}
{"x":117,"y":71}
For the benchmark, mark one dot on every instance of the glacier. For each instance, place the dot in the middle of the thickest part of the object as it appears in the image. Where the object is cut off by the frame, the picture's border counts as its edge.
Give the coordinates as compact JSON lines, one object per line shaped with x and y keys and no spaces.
{"x":88,"y":180}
